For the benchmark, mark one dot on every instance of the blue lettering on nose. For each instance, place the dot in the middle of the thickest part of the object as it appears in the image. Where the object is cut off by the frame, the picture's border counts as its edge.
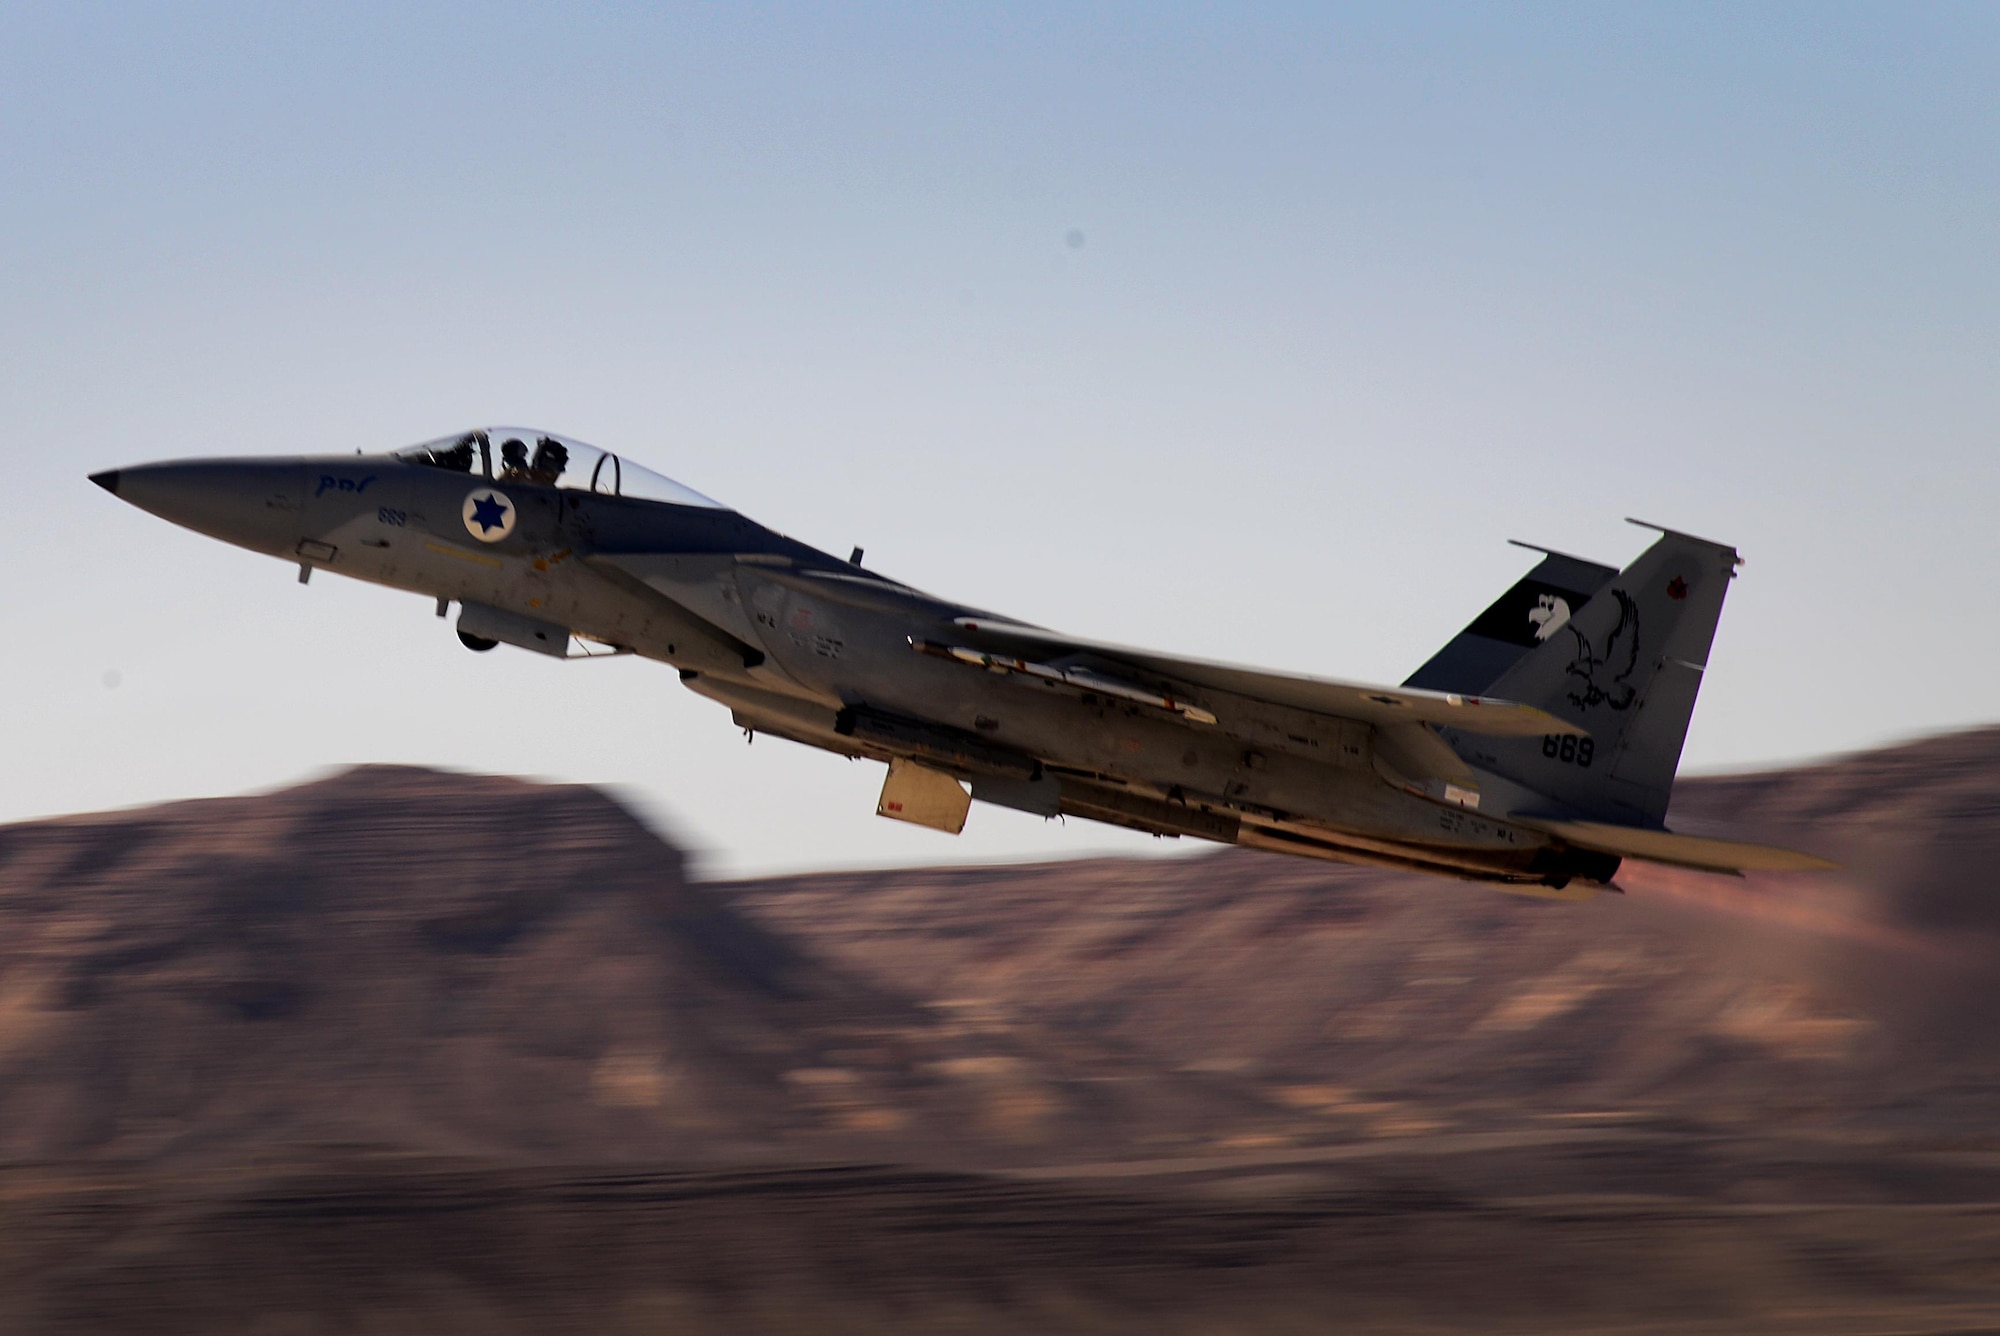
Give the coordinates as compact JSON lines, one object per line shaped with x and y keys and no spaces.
{"x":329,"y":483}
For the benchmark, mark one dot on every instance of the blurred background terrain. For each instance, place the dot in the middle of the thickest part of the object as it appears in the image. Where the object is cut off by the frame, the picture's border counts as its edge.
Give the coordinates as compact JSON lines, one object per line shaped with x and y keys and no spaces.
{"x":403,"y":1050}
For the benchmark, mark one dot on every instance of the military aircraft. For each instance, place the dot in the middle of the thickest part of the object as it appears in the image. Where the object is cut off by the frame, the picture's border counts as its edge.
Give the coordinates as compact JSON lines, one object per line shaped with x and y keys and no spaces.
{"x":1536,"y":750}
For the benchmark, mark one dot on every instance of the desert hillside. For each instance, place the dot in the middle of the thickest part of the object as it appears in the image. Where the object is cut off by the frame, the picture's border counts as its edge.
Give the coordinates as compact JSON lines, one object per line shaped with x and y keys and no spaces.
{"x":407,"y":1050}
{"x":406,"y":961}
{"x":1360,"y":1002}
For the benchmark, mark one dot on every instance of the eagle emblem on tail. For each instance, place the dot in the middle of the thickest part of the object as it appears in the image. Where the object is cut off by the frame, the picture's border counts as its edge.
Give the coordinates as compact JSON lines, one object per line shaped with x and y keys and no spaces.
{"x":1601,"y":678}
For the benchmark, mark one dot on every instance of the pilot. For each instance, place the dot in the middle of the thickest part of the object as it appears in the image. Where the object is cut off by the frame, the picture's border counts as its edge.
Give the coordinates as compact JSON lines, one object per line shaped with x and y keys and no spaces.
{"x":551,"y":458}
{"x":513,"y":460}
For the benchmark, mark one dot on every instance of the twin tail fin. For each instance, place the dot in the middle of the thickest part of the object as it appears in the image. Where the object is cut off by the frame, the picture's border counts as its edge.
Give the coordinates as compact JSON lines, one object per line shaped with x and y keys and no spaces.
{"x":1531,"y":612}
{"x":1625,"y":667}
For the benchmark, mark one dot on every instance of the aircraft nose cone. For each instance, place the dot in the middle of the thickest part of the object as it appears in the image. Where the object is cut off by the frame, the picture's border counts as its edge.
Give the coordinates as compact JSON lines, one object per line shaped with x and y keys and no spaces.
{"x":251,"y":503}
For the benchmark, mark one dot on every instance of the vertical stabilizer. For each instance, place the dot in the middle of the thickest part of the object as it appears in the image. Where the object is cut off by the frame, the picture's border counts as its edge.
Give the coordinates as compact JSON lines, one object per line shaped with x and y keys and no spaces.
{"x":1532,"y":611}
{"x":1626,"y":667}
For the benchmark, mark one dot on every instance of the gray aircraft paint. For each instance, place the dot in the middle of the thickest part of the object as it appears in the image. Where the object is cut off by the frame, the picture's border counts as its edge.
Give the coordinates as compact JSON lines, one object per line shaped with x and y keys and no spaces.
{"x":1626,"y":667}
{"x":800,"y":644}
{"x":1516,"y":622}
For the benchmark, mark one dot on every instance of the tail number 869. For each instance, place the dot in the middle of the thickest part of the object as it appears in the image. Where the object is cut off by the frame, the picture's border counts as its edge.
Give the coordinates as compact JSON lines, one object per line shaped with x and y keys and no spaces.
{"x":1569,"y":749}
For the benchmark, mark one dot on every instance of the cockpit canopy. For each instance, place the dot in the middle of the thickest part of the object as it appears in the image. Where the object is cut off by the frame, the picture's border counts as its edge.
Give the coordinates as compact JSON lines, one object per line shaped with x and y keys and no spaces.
{"x":524,"y":455}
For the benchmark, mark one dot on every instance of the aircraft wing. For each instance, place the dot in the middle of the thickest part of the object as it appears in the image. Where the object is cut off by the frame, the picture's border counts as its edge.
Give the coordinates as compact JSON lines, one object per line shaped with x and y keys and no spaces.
{"x":1321,"y":695}
{"x":1664,"y":846}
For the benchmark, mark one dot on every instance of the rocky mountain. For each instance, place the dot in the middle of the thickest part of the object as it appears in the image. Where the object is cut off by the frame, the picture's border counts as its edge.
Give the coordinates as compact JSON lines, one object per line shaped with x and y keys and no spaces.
{"x":404,"y":1050}
{"x":444,"y":964}
{"x":441,"y":963}
{"x":1359,"y":1002}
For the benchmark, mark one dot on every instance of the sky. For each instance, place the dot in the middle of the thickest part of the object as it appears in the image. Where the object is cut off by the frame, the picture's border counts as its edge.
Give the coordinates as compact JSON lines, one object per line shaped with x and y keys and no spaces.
{"x":1248,"y":332}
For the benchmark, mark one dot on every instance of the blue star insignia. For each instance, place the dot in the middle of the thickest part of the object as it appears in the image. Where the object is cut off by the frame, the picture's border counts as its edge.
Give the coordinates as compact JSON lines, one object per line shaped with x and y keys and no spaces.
{"x":488,"y":512}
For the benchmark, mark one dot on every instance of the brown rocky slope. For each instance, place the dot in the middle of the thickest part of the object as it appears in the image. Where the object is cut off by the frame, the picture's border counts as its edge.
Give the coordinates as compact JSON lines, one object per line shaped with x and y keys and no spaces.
{"x":1357,"y":1002}
{"x":402,"y":1050}
{"x":412,"y":961}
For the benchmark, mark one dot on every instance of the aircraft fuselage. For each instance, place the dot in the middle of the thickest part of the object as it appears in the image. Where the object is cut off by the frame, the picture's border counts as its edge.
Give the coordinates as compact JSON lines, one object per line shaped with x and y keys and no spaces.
{"x":800,"y":644}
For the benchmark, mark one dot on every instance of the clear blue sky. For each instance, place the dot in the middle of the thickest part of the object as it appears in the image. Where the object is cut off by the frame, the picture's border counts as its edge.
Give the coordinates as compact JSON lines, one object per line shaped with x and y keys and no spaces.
{"x":1363,"y":293}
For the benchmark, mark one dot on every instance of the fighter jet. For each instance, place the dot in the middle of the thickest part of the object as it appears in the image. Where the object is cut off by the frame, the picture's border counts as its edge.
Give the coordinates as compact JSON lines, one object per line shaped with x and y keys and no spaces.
{"x":1535,"y":751}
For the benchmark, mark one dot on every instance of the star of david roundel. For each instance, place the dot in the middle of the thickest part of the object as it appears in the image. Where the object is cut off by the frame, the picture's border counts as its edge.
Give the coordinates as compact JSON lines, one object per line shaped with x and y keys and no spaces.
{"x":489,"y":515}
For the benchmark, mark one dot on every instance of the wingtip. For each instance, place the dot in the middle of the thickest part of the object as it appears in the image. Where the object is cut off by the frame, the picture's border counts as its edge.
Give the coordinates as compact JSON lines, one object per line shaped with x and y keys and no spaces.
{"x":1549,"y":723}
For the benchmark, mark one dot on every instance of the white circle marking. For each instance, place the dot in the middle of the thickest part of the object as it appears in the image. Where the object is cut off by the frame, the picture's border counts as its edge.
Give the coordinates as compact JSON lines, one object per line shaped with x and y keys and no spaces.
{"x":488,"y":514}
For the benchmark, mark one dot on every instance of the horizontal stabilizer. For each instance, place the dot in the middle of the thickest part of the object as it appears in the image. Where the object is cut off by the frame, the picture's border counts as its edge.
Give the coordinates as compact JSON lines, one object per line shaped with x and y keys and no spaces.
{"x":1345,"y":700}
{"x":1696,"y":851}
